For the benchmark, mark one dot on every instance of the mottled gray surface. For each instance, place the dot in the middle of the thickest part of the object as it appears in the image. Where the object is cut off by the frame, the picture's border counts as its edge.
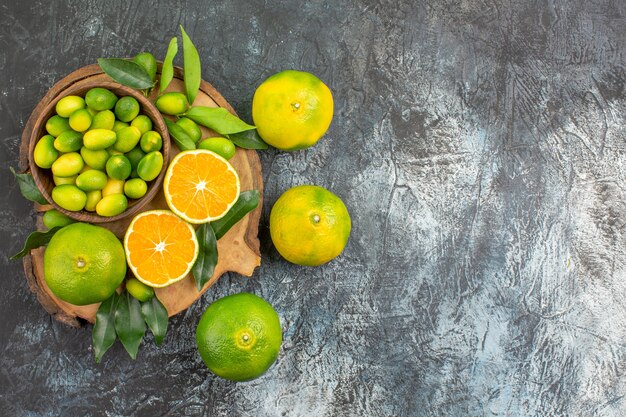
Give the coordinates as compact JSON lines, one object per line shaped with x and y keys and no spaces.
{"x":479,"y":147}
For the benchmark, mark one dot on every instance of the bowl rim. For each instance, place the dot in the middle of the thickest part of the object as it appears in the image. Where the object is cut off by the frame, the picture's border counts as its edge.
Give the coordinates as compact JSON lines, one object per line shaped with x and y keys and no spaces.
{"x":147,"y":107}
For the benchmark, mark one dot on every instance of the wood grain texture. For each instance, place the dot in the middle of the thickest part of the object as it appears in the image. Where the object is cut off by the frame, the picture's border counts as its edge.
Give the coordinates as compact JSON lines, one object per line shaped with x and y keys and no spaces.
{"x":479,"y":147}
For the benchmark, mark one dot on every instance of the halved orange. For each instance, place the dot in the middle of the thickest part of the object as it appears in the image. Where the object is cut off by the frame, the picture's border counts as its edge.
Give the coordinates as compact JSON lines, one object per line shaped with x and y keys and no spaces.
{"x":200,"y":186}
{"x":160,"y":247}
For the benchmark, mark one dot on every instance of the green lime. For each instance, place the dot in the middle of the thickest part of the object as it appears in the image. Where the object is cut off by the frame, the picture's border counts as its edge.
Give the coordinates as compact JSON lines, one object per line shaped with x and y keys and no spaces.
{"x":139,"y":290}
{"x":135,"y":188}
{"x":45,"y":153}
{"x":118,"y":167}
{"x":91,"y":180}
{"x":95,"y":159}
{"x":150,"y":166}
{"x":142,"y":122}
{"x":67,"y":165}
{"x":126,"y":108}
{"x":99,"y":99}
{"x":53,"y":218}
{"x":221,"y":146}
{"x":147,"y":61}
{"x":57,"y":125}
{"x":92,"y":112}
{"x":112,"y":205}
{"x":69,"y":197}
{"x":93,"y":198}
{"x":239,"y":337}
{"x":69,"y":141}
{"x":104,"y":119}
{"x":64,"y":180}
{"x":84,"y":264}
{"x":97,"y":139}
{"x":192,"y":129}
{"x":113,"y":186}
{"x":68,"y":105}
{"x":151,"y":141}
{"x":80,"y":120}
{"x":118,"y":125}
{"x":172,"y":103}
{"x":127,"y":138}
{"x":134,"y":156}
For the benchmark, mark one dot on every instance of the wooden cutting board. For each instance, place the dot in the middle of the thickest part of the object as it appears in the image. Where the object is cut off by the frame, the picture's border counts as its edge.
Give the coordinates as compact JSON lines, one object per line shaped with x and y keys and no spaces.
{"x":238,"y":249}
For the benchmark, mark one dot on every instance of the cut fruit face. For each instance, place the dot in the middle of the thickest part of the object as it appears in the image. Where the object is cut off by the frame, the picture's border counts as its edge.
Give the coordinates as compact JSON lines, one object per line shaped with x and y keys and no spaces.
{"x":160,"y":247}
{"x":200,"y":186}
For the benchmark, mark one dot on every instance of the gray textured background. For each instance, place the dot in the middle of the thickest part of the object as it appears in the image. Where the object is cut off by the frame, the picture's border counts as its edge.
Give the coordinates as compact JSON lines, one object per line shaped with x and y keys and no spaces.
{"x":479,"y":146}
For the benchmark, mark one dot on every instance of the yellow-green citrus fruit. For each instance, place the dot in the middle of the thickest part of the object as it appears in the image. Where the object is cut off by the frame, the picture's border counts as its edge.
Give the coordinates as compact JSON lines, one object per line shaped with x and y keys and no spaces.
{"x":67,"y":165}
{"x":134,"y":156}
{"x":113,"y":186}
{"x":151,"y":141}
{"x":221,"y":146}
{"x":112,"y":205}
{"x":135,"y":188}
{"x":127,"y":138}
{"x":139,"y":290}
{"x":45,"y":153}
{"x":92,"y":112}
{"x":292,"y":110}
{"x":93,"y":198}
{"x":57,"y":125}
{"x":142,"y":122}
{"x":126,"y":108}
{"x":91,"y":180}
{"x":239,"y":337}
{"x":309,"y":225}
{"x":80,"y":120}
{"x":103,"y":120}
{"x":64,"y":180}
{"x":53,"y":218}
{"x":84,"y":264}
{"x":147,"y":61}
{"x":68,"y":141}
{"x":100,"y":99}
{"x":95,"y":159}
{"x":172,"y":103}
{"x":97,"y":139}
{"x":118,"y":167}
{"x":68,"y":105}
{"x":69,"y":197}
{"x":150,"y":166}
{"x":192,"y":129}
{"x":119,"y":125}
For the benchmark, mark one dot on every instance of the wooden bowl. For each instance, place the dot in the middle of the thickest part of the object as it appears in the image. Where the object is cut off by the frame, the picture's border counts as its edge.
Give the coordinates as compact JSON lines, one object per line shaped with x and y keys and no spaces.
{"x":43,"y":177}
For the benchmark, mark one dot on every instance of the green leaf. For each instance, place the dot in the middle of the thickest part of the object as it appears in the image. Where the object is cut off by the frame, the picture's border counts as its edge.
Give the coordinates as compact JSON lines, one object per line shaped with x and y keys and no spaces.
{"x":167,"y":70}
{"x":204,"y":267}
{"x":218,"y":119}
{"x":28,"y":188}
{"x":155,"y":315}
{"x":35,"y":240}
{"x":249,"y":139}
{"x":103,"y":334}
{"x":129,"y":323}
{"x":192,"y":67}
{"x":126,"y":72}
{"x":180,"y":136}
{"x":247,"y":201}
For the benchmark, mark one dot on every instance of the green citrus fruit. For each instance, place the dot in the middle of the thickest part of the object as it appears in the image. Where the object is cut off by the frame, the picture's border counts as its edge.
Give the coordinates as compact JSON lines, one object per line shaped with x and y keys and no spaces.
{"x":239,"y":337}
{"x":151,"y":141}
{"x":91,"y":180}
{"x":113,"y":186}
{"x":69,"y":197}
{"x":142,"y":122}
{"x":95,"y":159}
{"x":147,"y":61}
{"x":69,"y":141}
{"x":127,"y":138}
{"x":93,"y":198}
{"x":57,"y":125}
{"x":45,"y":153}
{"x":96,"y":139}
{"x":64,"y":180}
{"x":104,"y":119}
{"x":100,"y":99}
{"x":309,"y":225}
{"x":118,"y":167}
{"x":80,"y":120}
{"x":292,"y":110}
{"x":53,"y":218}
{"x":126,"y":108}
{"x":112,"y":205}
{"x":172,"y":103}
{"x":84,"y":264}
{"x":221,"y":146}
{"x":68,"y":105}
{"x":67,"y":165}
{"x":139,"y":290}
{"x":192,"y":129}
{"x":150,"y":166}
{"x":135,"y":188}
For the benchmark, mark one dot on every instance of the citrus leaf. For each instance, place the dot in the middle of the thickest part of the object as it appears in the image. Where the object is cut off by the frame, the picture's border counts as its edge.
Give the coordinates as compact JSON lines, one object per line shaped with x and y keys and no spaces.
{"x":28,"y":188}
{"x":155,"y":315}
{"x":204,"y":266}
{"x":193,"y":70}
{"x":181,"y":138}
{"x":126,"y":72}
{"x":167,"y":70}
{"x":35,"y":240}
{"x":247,"y":201}
{"x":218,"y":119}
{"x":129,"y":323}
{"x":103,"y":334}
{"x":249,"y":139}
